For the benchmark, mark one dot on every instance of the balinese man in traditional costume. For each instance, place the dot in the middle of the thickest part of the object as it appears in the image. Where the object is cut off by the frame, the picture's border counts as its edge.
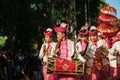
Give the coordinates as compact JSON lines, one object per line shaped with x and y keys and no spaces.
{"x":65,"y":49}
{"x":81,"y":47}
{"x":47,"y":50}
{"x":114,"y":58}
{"x":96,"y":53}
{"x":82,"y":44}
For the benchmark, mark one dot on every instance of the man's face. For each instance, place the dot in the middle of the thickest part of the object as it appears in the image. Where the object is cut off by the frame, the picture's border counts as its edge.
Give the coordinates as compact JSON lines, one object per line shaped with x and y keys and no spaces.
{"x":93,"y":38}
{"x":60,"y":36}
{"x":48,"y":39}
{"x":84,"y":38}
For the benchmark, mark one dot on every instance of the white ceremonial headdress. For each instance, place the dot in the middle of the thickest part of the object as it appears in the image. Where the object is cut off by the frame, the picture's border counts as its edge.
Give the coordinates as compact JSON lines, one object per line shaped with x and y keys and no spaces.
{"x":63,"y":24}
{"x":49,"y":29}
{"x":93,"y":28}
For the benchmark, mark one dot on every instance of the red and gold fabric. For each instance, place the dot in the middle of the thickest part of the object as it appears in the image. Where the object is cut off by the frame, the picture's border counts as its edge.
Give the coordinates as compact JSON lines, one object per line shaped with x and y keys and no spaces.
{"x":64,"y":66}
{"x":118,"y":71}
{"x":107,"y":30}
{"x":107,"y":18}
{"x":107,"y":10}
{"x":99,"y":71}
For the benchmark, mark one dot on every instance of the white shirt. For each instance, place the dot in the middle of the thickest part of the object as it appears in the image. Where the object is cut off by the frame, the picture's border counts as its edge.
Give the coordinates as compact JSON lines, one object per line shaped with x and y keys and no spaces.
{"x":113,"y":58}
{"x":42,"y":54}
{"x":92,"y":49}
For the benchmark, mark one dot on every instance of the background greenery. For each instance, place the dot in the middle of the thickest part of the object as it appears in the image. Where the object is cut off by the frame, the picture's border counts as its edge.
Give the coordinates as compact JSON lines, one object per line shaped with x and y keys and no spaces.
{"x":23,"y":21}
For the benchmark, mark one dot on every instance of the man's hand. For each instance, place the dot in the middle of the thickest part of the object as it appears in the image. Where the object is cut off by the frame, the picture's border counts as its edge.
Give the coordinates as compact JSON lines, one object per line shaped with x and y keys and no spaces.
{"x":56,"y":51}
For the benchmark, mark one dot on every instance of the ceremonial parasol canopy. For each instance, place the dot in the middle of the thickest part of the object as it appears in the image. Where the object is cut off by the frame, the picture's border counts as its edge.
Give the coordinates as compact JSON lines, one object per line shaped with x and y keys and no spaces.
{"x":108,"y":10}
{"x":107,"y":18}
{"x":107,"y":30}
{"x":108,"y":23}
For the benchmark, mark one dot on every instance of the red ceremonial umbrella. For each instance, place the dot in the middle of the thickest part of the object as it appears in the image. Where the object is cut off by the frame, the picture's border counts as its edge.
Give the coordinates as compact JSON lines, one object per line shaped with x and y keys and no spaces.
{"x":108,"y":23}
{"x":107,"y":18}
{"x":107,"y":30}
{"x":108,"y":10}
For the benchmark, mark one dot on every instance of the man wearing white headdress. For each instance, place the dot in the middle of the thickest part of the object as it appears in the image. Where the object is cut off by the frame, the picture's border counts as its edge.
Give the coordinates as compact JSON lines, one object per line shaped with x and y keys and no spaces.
{"x":47,"y":50}
{"x":81,"y":46}
{"x":92,"y":51}
{"x":114,"y":58}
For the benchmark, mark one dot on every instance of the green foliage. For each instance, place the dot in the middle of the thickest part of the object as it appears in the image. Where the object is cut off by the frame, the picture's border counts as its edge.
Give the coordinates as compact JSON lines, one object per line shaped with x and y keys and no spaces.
{"x":2,"y":41}
{"x":59,"y":15}
{"x":25,"y":21}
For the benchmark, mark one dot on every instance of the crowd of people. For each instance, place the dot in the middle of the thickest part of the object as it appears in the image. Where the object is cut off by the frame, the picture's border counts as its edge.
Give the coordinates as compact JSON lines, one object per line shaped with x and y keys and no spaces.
{"x":20,"y":65}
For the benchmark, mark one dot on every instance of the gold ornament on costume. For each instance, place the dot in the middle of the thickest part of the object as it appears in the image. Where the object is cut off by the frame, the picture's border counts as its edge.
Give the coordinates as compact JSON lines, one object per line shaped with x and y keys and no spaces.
{"x":98,"y":65}
{"x":88,"y":70}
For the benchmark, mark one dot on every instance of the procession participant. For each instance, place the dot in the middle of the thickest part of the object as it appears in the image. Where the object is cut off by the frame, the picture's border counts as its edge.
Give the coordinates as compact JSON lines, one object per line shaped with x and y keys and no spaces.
{"x":65,"y":49}
{"x":81,"y":47}
{"x":118,"y":57}
{"x":114,"y":57}
{"x":83,"y":36}
{"x":82,"y":44}
{"x":47,"y":50}
{"x":95,"y":51}
{"x":101,"y":39}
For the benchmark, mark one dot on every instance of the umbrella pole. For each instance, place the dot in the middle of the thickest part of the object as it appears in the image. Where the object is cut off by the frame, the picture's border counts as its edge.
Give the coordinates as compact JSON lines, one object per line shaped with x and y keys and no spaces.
{"x":108,"y":42}
{"x":108,"y":46}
